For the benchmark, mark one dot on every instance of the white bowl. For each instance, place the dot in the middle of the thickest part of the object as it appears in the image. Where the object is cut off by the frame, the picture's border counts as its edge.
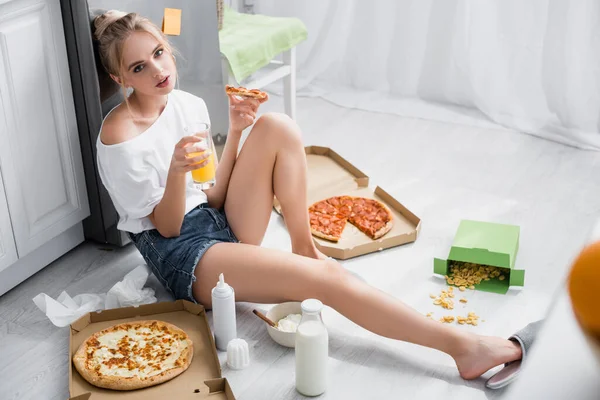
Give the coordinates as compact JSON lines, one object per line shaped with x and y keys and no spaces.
{"x":277,"y":312}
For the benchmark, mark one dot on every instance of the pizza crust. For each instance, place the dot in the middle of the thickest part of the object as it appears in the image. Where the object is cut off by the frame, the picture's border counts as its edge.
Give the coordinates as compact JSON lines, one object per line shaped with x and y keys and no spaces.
{"x":120,"y":383}
{"x":387,"y":227}
{"x":385,"y":207}
{"x":131,"y":382}
{"x":322,"y":235}
{"x":242,"y":91}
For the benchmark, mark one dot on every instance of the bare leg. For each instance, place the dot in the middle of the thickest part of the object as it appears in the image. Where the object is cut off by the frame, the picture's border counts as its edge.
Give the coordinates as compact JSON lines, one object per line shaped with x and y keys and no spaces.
{"x":272,"y":161}
{"x":262,"y":275}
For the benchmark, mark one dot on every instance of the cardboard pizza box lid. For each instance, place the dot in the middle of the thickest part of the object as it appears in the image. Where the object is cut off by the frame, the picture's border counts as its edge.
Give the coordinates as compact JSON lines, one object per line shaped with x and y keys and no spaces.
{"x":489,"y":244}
{"x":201,"y":380}
{"x":329,"y":174}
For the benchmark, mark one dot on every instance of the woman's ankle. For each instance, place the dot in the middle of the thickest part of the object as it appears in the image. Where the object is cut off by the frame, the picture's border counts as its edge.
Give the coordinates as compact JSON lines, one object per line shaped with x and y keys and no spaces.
{"x":459,"y":343}
{"x":308,"y":250}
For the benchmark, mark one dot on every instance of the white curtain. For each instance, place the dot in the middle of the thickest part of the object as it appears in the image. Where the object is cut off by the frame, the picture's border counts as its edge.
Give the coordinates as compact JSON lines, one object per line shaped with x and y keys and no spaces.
{"x":527,"y":65}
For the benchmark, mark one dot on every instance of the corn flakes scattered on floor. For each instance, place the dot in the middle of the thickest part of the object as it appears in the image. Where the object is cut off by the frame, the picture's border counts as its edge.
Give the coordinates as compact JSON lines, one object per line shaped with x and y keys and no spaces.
{"x":470,"y":319}
{"x":444,"y":300}
{"x":467,"y":275}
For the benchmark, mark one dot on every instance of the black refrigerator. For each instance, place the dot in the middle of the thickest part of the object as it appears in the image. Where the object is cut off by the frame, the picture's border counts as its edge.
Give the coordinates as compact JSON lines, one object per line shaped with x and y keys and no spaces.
{"x":95,"y":94}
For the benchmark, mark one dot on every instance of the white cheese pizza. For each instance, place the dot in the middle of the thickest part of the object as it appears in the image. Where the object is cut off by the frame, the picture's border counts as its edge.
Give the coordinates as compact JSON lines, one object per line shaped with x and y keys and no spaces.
{"x":134,"y":355}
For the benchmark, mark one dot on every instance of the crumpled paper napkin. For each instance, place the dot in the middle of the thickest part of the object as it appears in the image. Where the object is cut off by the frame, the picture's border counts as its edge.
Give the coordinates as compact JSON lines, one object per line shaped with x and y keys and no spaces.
{"x":128,"y":292}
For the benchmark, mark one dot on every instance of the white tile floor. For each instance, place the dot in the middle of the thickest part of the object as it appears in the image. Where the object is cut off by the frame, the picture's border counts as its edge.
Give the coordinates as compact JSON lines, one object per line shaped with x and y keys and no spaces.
{"x":443,"y":173}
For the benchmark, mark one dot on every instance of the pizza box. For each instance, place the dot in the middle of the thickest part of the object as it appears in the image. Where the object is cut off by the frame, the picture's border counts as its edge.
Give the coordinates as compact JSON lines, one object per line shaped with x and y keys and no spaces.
{"x":487,"y":244}
{"x":329,"y":174}
{"x":202,"y":379}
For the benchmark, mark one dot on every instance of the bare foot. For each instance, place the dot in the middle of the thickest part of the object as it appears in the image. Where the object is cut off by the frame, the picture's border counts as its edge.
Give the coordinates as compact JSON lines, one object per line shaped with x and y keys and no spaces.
{"x":485,"y":353}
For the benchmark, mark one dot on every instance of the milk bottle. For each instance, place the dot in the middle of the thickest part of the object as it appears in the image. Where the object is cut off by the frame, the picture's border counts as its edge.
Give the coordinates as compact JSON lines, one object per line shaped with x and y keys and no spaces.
{"x":312,"y":350}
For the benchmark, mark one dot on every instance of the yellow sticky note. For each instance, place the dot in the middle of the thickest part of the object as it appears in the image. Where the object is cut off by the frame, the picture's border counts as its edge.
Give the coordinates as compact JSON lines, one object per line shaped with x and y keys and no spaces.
{"x":172,"y":21}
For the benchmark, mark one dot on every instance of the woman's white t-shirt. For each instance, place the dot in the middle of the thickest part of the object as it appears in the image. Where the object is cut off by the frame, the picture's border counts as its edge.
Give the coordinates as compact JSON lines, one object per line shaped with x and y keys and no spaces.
{"x":135,"y":171}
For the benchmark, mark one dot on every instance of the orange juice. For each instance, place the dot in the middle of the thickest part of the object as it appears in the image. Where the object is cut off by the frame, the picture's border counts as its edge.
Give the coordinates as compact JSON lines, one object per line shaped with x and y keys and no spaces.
{"x":203,"y":176}
{"x":206,"y":173}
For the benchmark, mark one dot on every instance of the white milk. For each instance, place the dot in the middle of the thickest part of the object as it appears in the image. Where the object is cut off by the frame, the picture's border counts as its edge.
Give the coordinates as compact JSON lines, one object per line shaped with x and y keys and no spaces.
{"x":312,"y":352}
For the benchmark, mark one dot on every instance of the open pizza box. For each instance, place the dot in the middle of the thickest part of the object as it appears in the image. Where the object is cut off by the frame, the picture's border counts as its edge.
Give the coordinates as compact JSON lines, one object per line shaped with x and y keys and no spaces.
{"x":202,"y":380}
{"x":331,"y":175}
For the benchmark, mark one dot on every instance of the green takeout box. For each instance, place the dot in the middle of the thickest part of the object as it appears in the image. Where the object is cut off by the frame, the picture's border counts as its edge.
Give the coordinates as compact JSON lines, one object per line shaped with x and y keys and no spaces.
{"x":486,"y":244}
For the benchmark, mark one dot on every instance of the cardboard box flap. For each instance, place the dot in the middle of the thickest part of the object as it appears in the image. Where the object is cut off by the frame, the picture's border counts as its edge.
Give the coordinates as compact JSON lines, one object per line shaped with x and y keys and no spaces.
{"x":201,"y":380}
{"x":85,"y":396}
{"x":493,"y":237}
{"x":141,"y":311}
{"x":440,"y":266}
{"x":328,"y":172}
{"x":479,"y":256}
{"x":219,"y":385}
{"x":494,"y":286}
{"x":517,"y":277}
{"x":357,"y":174}
{"x":81,"y":323}
{"x":396,"y":205}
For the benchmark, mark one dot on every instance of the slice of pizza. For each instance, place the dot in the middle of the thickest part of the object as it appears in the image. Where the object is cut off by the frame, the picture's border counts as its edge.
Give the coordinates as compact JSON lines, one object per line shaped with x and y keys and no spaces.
{"x":373,"y":229}
{"x":134,"y":355}
{"x":372,"y":217}
{"x":243,"y":92}
{"x":327,"y":226}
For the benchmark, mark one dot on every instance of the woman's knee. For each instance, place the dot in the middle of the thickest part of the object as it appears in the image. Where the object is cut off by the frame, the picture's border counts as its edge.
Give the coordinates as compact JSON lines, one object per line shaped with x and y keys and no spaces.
{"x":280,"y":126}
{"x":333,"y":281}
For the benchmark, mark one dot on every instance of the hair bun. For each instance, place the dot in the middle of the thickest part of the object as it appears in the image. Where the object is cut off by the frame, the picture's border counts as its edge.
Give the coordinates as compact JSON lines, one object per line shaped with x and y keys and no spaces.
{"x":102,"y":22}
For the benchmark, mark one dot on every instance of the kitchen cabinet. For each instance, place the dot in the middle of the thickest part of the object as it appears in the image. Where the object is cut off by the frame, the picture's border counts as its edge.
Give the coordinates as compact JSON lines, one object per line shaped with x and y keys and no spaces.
{"x":43,"y":190}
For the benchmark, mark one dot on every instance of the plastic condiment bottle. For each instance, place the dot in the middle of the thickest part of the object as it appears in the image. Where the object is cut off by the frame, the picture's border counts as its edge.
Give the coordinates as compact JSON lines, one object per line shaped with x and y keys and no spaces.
{"x":312,"y":350}
{"x":223,"y":310}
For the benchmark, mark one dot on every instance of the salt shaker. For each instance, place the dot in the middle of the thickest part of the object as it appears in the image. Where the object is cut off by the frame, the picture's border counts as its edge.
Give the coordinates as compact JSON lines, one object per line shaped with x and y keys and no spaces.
{"x":223,"y":309}
{"x":238,"y":354}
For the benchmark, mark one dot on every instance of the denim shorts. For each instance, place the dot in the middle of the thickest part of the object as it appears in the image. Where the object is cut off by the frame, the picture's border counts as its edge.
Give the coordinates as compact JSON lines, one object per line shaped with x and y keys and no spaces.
{"x":174,"y":260}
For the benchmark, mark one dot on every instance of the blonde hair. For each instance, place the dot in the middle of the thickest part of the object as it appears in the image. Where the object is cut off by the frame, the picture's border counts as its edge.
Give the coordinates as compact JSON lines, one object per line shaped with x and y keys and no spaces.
{"x":112,"y":30}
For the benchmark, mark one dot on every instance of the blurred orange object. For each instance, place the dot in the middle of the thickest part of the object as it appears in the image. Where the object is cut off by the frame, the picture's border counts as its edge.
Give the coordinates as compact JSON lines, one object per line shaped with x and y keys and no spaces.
{"x":584,"y":288}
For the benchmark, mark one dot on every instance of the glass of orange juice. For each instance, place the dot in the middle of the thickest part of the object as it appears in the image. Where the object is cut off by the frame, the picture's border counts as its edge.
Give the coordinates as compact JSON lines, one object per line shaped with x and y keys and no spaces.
{"x":204,"y":177}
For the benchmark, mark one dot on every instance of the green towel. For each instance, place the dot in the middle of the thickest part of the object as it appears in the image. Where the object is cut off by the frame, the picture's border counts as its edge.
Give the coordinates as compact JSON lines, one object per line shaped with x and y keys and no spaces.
{"x":249,"y":41}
